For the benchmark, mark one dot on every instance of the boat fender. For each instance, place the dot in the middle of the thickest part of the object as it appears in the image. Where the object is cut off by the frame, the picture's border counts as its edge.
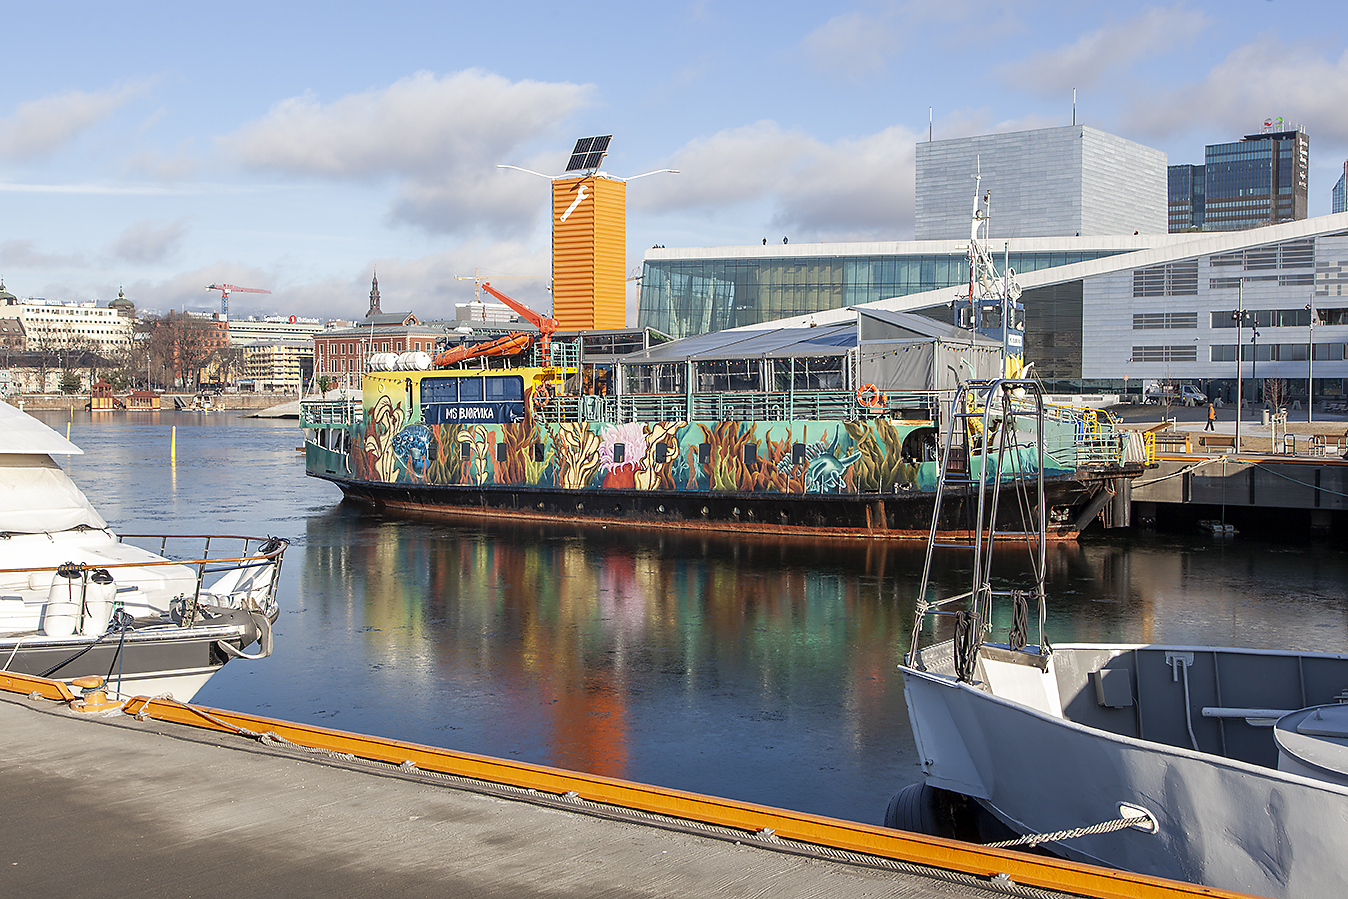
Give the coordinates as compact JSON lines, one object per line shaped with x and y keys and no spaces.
{"x":61,"y":614}
{"x":99,"y":594}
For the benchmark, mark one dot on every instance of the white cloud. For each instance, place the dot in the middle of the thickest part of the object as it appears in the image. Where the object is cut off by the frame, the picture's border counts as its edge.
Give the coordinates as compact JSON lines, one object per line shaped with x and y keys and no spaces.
{"x":24,"y":254}
{"x":1263,"y":78}
{"x":147,"y":242}
{"x":1086,"y":61}
{"x":852,"y":188}
{"x":39,"y":128}
{"x":855,"y":44}
{"x":439,"y":137}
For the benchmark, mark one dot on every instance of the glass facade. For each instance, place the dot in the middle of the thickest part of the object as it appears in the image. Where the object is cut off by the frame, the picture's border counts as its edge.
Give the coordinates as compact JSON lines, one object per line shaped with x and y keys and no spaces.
{"x":1187,"y":203}
{"x":1338,"y":202}
{"x":1259,"y":180}
{"x":686,"y":297}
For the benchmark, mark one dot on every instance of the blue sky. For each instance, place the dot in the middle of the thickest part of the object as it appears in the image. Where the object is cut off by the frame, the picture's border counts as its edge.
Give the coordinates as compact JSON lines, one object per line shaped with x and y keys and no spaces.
{"x":162,"y":147}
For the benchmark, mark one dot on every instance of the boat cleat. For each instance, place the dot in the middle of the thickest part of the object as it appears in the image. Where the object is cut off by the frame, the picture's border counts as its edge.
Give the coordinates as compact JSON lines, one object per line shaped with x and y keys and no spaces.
{"x":93,"y":697}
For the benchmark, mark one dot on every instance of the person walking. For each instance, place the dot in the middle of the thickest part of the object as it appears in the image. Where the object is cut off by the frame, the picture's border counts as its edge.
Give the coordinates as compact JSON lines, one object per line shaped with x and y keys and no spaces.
{"x":1212,"y":417}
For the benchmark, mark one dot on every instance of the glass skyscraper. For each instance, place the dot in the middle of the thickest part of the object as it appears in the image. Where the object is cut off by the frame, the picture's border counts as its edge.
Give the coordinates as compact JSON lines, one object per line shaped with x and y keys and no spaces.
{"x":1261,"y":179}
{"x":1338,"y":202}
{"x":1187,"y":198}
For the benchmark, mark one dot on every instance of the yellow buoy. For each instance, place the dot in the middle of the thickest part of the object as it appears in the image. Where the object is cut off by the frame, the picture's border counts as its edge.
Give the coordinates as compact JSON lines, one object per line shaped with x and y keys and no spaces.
{"x":173,"y":445}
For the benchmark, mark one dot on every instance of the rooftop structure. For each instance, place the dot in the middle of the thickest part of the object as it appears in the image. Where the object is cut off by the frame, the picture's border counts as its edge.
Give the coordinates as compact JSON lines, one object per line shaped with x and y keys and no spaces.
{"x":1051,"y":182}
{"x":1339,"y":197}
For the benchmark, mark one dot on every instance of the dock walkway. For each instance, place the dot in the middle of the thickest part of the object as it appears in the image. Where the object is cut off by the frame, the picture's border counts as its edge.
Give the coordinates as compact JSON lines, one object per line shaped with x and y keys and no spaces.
{"x":117,"y":807}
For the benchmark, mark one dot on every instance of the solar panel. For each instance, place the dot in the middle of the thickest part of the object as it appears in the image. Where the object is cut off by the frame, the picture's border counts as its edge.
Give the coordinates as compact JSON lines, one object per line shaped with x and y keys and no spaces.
{"x":589,"y":153}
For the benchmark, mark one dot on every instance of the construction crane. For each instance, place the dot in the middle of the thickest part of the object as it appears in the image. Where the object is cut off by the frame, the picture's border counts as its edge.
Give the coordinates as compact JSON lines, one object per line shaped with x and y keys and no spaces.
{"x":226,"y":290}
{"x":476,"y":278}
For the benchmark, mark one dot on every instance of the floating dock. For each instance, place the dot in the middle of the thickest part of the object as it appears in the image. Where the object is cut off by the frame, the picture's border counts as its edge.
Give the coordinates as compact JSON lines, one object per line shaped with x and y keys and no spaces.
{"x":167,"y":799}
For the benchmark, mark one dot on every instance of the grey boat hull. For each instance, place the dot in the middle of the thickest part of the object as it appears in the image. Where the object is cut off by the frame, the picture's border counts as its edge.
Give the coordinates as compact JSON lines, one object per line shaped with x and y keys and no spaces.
{"x":1231,"y":822}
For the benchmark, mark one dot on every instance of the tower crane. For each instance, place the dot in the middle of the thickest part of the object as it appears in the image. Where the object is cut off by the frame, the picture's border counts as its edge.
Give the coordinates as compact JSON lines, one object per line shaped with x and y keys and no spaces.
{"x":226,"y":290}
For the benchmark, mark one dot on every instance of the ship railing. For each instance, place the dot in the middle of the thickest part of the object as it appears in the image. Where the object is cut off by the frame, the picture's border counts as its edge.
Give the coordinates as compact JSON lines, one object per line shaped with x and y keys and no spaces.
{"x":810,"y":405}
{"x":329,"y":413}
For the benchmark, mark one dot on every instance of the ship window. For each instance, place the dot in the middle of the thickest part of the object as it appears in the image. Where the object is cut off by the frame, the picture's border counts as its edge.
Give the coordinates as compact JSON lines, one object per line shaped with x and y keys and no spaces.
{"x":439,"y":390}
{"x":538,"y":452}
{"x":750,"y":455}
{"x":465,"y":451}
{"x":470,"y":390}
{"x":505,"y":389}
{"x":661,"y":453}
{"x":704,"y":453}
{"x":500,"y":452}
{"x":798,"y":454}
{"x":619,"y":453}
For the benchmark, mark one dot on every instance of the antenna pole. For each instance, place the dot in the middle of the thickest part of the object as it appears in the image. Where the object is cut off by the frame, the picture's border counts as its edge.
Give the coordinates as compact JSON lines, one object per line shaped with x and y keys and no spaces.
{"x":1074,"y":106}
{"x":930,"y":122}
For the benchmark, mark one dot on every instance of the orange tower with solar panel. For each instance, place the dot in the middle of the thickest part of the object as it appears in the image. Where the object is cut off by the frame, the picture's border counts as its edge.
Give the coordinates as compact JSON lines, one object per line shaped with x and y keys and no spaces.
{"x":589,"y":240}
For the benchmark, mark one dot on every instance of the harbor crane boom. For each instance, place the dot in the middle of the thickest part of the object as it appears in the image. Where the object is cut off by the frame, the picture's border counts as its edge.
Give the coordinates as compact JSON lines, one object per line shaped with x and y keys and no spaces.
{"x":226,"y":290}
{"x":546,"y":326}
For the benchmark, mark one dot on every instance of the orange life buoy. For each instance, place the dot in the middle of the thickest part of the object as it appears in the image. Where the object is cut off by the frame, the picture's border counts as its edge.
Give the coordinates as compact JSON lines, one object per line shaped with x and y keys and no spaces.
{"x":542,"y":395}
{"x":870,"y":396}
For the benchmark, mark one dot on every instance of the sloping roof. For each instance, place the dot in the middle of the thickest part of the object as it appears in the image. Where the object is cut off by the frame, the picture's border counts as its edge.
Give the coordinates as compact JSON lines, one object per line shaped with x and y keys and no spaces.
{"x":923,"y":327}
{"x":387,"y":319}
{"x":783,"y":343}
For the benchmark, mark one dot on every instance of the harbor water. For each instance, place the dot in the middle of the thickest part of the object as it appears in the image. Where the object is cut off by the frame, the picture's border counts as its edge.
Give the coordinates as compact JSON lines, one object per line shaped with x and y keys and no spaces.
{"x":758,"y":669}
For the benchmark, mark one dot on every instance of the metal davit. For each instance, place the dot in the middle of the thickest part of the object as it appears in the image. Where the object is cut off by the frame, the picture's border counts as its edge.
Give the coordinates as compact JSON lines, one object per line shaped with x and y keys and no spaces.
{"x":994,"y":444}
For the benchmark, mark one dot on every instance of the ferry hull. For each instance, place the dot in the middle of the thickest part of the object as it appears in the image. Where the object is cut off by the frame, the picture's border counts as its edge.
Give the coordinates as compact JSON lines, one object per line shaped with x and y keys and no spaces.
{"x":904,"y":515}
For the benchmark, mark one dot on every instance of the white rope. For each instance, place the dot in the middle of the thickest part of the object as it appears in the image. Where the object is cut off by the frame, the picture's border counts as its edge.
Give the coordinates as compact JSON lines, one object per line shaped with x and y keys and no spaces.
{"x":1106,"y":827}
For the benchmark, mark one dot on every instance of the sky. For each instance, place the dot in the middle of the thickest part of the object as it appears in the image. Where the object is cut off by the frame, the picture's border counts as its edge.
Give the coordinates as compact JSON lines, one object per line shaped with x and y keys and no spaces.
{"x":161,"y":147}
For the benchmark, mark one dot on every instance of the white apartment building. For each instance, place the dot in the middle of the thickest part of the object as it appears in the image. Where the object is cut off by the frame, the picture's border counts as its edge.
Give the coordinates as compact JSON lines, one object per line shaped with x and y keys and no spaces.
{"x":54,"y":326}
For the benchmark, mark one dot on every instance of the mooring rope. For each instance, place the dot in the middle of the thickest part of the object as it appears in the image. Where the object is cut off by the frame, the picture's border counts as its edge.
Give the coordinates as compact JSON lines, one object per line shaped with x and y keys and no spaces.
{"x":1105,"y":827}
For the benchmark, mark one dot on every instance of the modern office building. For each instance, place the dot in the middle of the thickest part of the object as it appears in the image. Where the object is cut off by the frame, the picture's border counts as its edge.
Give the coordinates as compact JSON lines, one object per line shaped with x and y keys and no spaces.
{"x":1187,"y":191}
{"x":1338,"y":202}
{"x":696,"y":290}
{"x":1261,"y":179}
{"x":1051,"y":182}
{"x":1169,"y":312}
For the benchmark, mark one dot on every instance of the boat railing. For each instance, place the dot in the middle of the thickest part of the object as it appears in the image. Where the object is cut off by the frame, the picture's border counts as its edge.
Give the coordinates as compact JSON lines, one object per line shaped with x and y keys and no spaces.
{"x":249,"y":568}
{"x":809,"y":405}
{"x":330,"y":413}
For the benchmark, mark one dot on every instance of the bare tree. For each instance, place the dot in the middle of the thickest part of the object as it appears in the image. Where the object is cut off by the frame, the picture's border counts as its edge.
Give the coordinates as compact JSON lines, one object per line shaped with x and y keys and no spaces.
{"x":180,"y":343}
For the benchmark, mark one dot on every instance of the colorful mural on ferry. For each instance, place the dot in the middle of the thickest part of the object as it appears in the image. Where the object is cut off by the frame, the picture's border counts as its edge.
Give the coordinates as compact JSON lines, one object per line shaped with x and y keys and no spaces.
{"x":487,"y":439}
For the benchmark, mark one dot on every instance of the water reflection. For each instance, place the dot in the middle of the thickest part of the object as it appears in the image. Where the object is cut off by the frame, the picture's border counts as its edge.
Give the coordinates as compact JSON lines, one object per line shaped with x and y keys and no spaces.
{"x":758,"y":669}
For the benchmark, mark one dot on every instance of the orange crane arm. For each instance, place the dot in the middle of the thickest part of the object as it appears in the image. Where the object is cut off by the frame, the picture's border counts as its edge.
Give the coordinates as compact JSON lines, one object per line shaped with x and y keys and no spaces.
{"x":546,"y":326}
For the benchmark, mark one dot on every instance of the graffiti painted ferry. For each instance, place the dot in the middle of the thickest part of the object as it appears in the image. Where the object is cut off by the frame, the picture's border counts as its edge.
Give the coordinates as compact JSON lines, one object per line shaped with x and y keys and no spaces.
{"x":829,"y":430}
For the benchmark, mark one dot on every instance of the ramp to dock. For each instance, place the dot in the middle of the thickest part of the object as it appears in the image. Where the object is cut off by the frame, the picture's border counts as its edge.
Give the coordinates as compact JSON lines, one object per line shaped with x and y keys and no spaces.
{"x":113,"y":806}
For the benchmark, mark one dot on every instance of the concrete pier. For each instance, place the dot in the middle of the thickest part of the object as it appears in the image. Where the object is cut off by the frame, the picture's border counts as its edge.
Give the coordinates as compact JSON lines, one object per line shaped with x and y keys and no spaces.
{"x":119,"y":807}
